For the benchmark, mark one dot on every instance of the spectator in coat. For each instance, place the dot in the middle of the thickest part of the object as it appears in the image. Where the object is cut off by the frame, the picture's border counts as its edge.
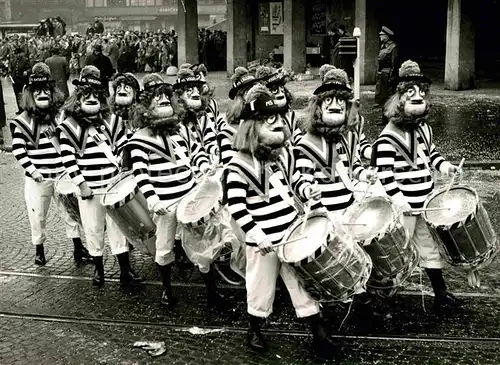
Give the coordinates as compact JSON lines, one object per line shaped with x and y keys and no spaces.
{"x":20,"y":73}
{"x":103,"y":63}
{"x":59,"y":69}
{"x":387,"y":66}
{"x":98,"y":27}
{"x":114,"y":52}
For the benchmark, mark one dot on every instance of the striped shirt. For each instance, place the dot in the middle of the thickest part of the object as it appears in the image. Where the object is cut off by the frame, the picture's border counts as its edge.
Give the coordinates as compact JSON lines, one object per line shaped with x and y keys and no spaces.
{"x":205,"y":134}
{"x":89,"y":162}
{"x":291,"y":121}
{"x":336,"y":192}
{"x":404,"y":181}
{"x":225,"y":139}
{"x":163,"y":167}
{"x":213,"y":113}
{"x":257,"y":217}
{"x":365,"y":147}
{"x":42,"y":157}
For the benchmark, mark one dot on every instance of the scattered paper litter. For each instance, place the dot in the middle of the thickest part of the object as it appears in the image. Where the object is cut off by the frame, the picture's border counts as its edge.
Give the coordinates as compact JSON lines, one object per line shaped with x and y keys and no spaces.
{"x":202,"y":331}
{"x":153,"y":348}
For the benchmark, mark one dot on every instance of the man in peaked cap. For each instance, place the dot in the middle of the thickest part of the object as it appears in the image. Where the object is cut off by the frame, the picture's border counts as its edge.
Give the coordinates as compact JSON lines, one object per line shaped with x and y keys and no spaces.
{"x":387,"y":66}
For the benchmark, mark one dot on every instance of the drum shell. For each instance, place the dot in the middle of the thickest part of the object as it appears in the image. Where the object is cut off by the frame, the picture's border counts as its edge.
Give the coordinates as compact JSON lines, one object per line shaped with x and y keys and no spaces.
{"x":70,"y":202}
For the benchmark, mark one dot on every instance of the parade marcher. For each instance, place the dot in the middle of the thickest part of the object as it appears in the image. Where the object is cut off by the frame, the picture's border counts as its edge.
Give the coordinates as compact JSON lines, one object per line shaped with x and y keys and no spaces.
{"x":405,"y":154}
{"x":163,"y":159}
{"x":261,"y":202}
{"x":187,"y":89}
{"x":275,"y":81}
{"x":329,"y":152}
{"x":90,"y":146}
{"x":35,"y":146}
{"x":387,"y":66}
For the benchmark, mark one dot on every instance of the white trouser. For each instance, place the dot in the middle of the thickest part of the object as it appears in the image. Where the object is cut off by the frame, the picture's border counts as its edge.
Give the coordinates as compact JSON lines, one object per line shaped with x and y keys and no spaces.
{"x":38,"y":197}
{"x":430,"y":256}
{"x":166,"y":229}
{"x":261,"y":275}
{"x":94,"y":220}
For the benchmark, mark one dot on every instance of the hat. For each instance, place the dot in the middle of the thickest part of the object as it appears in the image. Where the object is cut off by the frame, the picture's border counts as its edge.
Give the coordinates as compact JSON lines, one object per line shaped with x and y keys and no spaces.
{"x":89,"y":76}
{"x":387,"y":31}
{"x":410,"y":71}
{"x":260,"y":101}
{"x":128,"y":79}
{"x":324,"y":69}
{"x":153,"y":81}
{"x":40,"y":75}
{"x":270,"y":76}
{"x":335,"y":79}
{"x":240,"y":79}
{"x":186,"y":77}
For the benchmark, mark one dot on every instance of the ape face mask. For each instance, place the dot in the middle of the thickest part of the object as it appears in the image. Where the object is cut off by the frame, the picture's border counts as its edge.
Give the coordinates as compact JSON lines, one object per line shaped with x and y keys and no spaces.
{"x":191,"y":97}
{"x":160,"y":106}
{"x":90,"y":103}
{"x":42,"y":96}
{"x":414,"y":101}
{"x":271,"y":130}
{"x":125,"y":95}
{"x":279,"y":95}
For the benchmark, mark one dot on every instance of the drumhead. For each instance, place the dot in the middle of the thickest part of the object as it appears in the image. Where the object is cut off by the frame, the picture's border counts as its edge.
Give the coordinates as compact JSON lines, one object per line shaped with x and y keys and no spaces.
{"x":123,"y":188}
{"x":368,"y":219}
{"x":65,"y":186}
{"x":315,"y":235}
{"x":460,"y":201}
{"x":199,"y":203}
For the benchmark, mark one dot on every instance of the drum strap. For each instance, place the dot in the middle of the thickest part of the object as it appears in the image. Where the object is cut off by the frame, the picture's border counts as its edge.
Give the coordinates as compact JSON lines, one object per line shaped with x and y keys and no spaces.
{"x":104,"y":147}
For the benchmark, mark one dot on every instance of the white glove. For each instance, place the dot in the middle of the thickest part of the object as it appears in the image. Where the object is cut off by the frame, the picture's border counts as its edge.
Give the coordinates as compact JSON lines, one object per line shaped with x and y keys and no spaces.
{"x":452,"y":169}
{"x":160,"y":208}
{"x":37,"y":176}
{"x":265,"y":246}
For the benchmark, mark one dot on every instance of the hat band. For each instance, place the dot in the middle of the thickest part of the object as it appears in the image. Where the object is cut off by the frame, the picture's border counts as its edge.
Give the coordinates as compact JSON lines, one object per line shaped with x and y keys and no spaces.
{"x":275,"y":78}
{"x":243,"y":80}
{"x":91,"y":81}
{"x":153,"y":83}
{"x":185,"y":80}
{"x":38,"y":79}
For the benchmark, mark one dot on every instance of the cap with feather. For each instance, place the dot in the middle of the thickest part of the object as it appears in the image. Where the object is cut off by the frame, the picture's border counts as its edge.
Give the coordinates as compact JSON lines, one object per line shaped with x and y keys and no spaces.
{"x":260,"y":101}
{"x":241,"y":78}
{"x":324,"y":69}
{"x":334,"y":79}
{"x":410,"y":71}
{"x":270,"y":76}
{"x":186,"y":77}
{"x":40,"y":75}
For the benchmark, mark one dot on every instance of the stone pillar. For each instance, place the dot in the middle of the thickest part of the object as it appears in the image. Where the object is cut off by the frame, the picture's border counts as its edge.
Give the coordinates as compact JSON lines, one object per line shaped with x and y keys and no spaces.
{"x":460,"y":64}
{"x":366,"y":21}
{"x":294,"y":38}
{"x":236,"y":34}
{"x":187,"y":31}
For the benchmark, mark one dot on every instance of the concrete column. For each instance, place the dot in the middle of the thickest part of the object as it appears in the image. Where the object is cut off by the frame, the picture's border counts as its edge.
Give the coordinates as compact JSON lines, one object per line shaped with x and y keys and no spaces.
{"x":294,"y":39}
{"x":460,"y":64}
{"x":187,"y":30}
{"x":366,"y":21}
{"x":236,"y":34}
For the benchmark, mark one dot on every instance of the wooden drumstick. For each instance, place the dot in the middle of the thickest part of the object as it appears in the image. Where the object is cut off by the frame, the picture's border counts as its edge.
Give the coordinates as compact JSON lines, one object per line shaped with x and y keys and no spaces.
{"x":421,"y":210}
{"x":450,"y":184}
{"x":307,"y":211}
{"x":301,"y":237}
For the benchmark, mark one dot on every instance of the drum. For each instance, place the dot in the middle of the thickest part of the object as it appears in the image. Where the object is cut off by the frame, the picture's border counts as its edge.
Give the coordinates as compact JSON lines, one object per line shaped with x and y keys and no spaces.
{"x":129,"y":210}
{"x":66,"y":192}
{"x":327,"y":261}
{"x":464,"y":231}
{"x":378,"y":227}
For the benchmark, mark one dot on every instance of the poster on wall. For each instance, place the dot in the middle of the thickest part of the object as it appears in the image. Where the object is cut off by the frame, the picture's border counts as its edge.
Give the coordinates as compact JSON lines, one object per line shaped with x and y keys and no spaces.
{"x":318,"y":17}
{"x":264,"y":18}
{"x":276,"y":10}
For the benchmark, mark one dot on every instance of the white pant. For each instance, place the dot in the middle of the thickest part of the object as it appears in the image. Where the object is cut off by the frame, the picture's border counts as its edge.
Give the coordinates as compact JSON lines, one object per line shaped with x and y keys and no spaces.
{"x":261,"y":275}
{"x":94,"y":219}
{"x":166,"y":229}
{"x":430,"y":256}
{"x":38,"y":197}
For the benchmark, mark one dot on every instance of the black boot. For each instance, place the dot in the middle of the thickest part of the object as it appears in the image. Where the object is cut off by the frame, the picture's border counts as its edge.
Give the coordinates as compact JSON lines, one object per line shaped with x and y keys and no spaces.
{"x":255,"y":340}
{"x":167,"y":299}
{"x":130,"y":247}
{"x":80,"y":253}
{"x":40,"y":256}
{"x":442,"y":299}
{"x":127,"y":275}
{"x":215,"y":300}
{"x":324,"y":348}
{"x":98,"y":280}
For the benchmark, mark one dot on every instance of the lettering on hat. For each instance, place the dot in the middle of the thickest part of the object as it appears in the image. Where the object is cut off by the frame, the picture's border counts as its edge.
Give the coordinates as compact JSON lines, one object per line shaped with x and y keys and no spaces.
{"x":153,"y":83}
{"x":88,"y":80}
{"x":243,"y":80}
{"x":38,"y":79}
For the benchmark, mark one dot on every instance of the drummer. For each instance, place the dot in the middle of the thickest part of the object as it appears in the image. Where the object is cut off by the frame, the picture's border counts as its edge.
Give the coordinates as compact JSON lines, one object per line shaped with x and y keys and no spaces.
{"x":35,"y":146}
{"x":275,"y":81}
{"x":89,"y":145}
{"x":263,"y":207}
{"x":405,"y":154}
{"x":328,"y":153}
{"x":162,"y":159}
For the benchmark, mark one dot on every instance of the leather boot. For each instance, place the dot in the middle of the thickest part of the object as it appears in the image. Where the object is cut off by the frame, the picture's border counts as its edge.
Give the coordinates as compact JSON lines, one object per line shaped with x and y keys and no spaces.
{"x":80,"y":253}
{"x":167,"y":299}
{"x":443,"y":300}
{"x":130,"y":247}
{"x":98,"y":280}
{"x":323,"y":346}
{"x":255,"y":340}
{"x":40,"y":255}
{"x":215,"y":300}
{"x":127,"y":275}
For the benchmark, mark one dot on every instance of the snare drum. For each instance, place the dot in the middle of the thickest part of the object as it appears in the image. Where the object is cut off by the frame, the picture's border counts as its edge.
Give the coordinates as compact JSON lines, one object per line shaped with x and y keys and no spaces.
{"x":376,"y":225}
{"x":66,"y":192}
{"x":464,"y":232}
{"x":129,"y":210}
{"x":328,"y":262}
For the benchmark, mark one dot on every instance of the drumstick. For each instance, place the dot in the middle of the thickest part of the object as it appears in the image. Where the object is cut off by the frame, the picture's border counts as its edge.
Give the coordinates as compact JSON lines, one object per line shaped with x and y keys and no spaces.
{"x":307,"y":210}
{"x":450,"y":184}
{"x":375,"y":169}
{"x":301,"y":237}
{"x":417,"y":210}
{"x":49,"y":179}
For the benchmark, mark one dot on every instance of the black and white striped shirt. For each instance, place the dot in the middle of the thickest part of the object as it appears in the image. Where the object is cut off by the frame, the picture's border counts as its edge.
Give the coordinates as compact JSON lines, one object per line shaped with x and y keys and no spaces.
{"x":225,"y":139}
{"x":213,"y":113}
{"x":163,"y":165}
{"x":291,"y":121}
{"x":42,"y":157}
{"x":402,"y":180}
{"x":205,"y":134}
